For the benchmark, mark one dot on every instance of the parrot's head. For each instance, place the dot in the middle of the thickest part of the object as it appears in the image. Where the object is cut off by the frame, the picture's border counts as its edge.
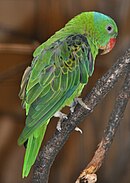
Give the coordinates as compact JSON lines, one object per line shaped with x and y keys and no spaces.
{"x":105,"y":32}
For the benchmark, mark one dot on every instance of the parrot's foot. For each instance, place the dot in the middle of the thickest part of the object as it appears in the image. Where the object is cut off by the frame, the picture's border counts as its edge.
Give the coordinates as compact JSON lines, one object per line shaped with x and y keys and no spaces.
{"x":62,"y":116}
{"x":78,"y":129}
{"x":75,"y":102}
{"x":79,"y":100}
{"x":72,"y":106}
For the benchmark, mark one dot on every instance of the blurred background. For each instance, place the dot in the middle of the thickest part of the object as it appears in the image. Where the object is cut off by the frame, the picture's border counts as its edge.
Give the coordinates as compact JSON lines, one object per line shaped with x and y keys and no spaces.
{"x":24,"y":24}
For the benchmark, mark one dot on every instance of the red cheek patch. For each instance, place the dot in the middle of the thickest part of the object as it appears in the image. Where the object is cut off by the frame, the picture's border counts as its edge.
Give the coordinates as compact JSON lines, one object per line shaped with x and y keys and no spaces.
{"x":109,"y":46}
{"x":112,"y":43}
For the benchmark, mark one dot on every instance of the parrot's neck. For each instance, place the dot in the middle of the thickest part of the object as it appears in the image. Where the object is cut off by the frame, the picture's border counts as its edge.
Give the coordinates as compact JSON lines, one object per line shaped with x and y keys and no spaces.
{"x":82,"y":25}
{"x":93,"y":45}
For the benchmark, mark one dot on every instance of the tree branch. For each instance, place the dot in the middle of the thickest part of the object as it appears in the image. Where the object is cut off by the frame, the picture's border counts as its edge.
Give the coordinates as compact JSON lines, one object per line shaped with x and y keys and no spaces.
{"x":103,"y":86}
{"x":113,"y":123}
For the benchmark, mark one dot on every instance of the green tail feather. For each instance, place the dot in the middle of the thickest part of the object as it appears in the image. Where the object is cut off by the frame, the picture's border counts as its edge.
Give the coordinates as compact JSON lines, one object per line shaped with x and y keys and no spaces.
{"x":33,"y":146}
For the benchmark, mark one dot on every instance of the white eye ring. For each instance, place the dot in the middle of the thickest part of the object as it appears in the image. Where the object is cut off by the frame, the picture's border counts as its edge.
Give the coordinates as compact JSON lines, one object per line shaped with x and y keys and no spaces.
{"x":109,"y":28}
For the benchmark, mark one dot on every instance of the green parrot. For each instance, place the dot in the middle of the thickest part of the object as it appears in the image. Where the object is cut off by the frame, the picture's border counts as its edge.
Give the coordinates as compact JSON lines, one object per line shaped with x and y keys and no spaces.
{"x":59,"y":71}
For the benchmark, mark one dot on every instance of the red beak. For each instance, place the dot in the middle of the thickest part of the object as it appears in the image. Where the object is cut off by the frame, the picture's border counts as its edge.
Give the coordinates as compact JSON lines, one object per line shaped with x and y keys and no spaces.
{"x":109,"y":46}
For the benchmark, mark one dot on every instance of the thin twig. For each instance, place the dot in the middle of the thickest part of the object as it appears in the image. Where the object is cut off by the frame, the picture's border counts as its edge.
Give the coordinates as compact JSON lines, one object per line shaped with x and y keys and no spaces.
{"x":54,"y":145}
{"x":113,"y":123}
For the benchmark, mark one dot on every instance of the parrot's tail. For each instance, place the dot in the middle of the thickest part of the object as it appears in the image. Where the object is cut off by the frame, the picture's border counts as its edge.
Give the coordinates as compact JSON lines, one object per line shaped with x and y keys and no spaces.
{"x":33,"y":146}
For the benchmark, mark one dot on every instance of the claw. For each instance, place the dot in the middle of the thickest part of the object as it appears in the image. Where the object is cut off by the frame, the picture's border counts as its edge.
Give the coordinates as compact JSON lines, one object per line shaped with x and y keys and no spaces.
{"x":79,"y":100}
{"x":58,"y":126}
{"x":62,"y":116}
{"x":72,"y":106}
{"x":78,"y":130}
{"x":72,"y":109}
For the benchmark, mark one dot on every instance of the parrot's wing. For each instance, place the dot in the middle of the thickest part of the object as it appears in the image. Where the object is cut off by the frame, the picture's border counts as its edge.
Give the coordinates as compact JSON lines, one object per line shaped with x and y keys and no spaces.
{"x":24,"y":82}
{"x":56,"y":74}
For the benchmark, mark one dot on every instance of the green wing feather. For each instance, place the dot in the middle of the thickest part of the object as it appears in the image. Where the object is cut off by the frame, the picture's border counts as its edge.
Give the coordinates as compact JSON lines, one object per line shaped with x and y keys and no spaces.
{"x":56,"y":74}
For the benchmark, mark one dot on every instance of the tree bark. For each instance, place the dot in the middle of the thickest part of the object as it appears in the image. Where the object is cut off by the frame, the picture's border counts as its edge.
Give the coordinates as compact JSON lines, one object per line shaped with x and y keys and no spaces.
{"x":113,"y":123}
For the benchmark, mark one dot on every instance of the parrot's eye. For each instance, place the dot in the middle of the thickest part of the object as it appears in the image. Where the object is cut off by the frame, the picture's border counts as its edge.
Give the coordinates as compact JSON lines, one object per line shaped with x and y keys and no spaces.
{"x":109,"y":28}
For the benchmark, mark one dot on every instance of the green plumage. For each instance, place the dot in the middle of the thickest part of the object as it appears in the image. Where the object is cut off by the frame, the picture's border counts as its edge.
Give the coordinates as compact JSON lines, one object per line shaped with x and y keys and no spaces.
{"x":60,"y":69}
